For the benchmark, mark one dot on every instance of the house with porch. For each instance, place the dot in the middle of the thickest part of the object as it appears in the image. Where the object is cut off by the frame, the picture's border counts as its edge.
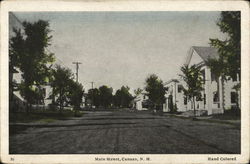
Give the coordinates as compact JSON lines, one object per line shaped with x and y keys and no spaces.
{"x":140,"y":102}
{"x":217,"y":95}
{"x":175,"y":97}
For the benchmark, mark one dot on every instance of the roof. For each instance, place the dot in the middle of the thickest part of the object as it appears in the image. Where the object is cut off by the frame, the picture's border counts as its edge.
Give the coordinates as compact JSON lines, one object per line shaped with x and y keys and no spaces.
{"x":170,"y":81}
{"x":13,"y":70}
{"x":204,"y":52}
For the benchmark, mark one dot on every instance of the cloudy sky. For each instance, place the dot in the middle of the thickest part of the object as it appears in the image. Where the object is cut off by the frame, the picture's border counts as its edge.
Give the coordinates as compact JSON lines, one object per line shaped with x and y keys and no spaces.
{"x":123,"y":48}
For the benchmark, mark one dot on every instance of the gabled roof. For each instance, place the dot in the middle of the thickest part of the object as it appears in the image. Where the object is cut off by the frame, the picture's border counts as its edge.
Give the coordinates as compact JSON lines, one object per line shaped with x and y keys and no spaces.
{"x":172,"y":80}
{"x":204,"y":52}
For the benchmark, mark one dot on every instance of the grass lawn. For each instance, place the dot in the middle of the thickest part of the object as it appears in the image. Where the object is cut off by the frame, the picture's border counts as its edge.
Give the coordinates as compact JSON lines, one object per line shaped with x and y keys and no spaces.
{"x":228,"y":115}
{"x":41,"y":116}
{"x":38,"y":116}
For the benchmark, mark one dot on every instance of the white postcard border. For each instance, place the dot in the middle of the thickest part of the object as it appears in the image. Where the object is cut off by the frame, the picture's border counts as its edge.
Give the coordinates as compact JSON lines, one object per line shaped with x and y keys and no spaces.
{"x":7,"y":6}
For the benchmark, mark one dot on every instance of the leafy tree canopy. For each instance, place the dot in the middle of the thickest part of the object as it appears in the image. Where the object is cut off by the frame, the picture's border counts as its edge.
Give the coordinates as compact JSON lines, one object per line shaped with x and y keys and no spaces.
{"x":105,"y":98}
{"x":122,"y":97}
{"x":229,"y":50}
{"x":193,"y":78}
{"x":28,"y":54}
{"x":94,"y":96}
{"x":138,"y":91}
{"x":61,"y":84}
{"x":76,"y":92}
{"x":155,"y":89}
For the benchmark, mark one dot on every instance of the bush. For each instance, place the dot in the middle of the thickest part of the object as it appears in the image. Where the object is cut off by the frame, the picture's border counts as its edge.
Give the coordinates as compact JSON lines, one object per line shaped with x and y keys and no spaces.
{"x":78,"y":114}
{"x":173,"y":108}
{"x":234,"y":111}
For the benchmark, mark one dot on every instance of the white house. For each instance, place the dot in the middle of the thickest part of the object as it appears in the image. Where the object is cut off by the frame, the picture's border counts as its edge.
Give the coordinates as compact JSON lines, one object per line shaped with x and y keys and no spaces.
{"x":175,"y":96}
{"x":215,"y":96}
{"x":139,"y":103}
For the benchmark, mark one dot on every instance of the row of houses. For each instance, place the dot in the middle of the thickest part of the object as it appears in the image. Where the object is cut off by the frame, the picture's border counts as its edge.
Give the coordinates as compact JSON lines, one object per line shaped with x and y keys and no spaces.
{"x":216,"y":97}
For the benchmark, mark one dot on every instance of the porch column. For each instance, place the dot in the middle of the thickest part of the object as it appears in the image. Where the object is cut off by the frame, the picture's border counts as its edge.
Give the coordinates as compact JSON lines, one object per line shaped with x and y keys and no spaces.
{"x":208,"y":91}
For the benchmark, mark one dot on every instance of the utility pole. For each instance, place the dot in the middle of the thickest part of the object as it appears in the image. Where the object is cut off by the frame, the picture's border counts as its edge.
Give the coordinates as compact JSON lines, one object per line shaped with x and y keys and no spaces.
{"x":92,"y":86}
{"x":77,"y":67}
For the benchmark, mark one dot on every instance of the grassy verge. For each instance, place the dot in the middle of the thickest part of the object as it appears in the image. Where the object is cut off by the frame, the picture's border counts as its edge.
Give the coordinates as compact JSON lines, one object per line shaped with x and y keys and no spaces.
{"x":222,"y":122}
{"x":227,"y":117}
{"x":42,"y":116}
{"x":221,"y":118}
{"x":38,"y":116}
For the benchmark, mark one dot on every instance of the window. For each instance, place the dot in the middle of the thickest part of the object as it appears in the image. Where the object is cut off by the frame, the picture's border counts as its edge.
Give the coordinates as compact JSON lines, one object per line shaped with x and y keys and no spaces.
{"x":185,"y":100}
{"x":203,"y":75}
{"x":234,"y":78}
{"x":216,"y":97}
{"x":198,"y":98}
{"x":234,"y":97}
{"x":44,"y":92}
{"x":204,"y":99}
{"x":212,"y":76}
{"x":179,"y":88}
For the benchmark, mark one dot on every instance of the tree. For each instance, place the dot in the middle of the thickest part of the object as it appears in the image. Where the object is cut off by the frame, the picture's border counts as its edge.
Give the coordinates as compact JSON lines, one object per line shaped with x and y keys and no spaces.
{"x":155,"y":91}
{"x":228,"y":63}
{"x":138,"y":91}
{"x":105,"y":97}
{"x":76,"y":92}
{"x":61,"y":83}
{"x":122,"y":97}
{"x":32,"y":57}
{"x":193,"y":78}
{"x":16,"y":50}
{"x":34,"y":92}
{"x":230,"y":49}
{"x":94,"y":96}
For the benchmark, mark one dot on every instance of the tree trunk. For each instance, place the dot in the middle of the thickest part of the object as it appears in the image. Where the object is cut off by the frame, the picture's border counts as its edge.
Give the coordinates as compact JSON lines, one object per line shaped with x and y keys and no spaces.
{"x":223,"y":93}
{"x":218,"y":90}
{"x":61,"y":102}
{"x":28,"y":107}
{"x":194,"y":106}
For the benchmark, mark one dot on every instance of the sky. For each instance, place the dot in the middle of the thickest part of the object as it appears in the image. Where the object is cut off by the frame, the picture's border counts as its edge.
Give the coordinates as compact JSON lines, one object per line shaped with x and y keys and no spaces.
{"x":124,"y":48}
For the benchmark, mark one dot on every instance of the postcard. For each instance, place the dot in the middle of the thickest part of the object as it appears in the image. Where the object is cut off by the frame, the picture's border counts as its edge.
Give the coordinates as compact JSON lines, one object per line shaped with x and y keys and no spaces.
{"x":125,"y":82}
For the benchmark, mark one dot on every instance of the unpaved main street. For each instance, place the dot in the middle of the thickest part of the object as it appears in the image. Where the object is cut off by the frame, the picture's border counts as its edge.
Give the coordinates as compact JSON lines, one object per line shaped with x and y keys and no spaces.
{"x":126,"y":132}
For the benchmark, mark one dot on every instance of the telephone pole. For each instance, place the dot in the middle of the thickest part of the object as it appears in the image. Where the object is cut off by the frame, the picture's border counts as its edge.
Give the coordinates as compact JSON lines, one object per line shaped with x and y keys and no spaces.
{"x":77,"y":67}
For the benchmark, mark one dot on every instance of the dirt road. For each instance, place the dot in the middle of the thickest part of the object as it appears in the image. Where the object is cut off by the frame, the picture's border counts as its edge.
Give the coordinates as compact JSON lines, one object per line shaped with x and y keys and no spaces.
{"x":126,"y":132}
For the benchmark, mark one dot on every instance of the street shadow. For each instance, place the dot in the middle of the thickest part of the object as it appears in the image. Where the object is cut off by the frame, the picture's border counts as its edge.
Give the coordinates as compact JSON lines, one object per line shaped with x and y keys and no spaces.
{"x":134,"y":125}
